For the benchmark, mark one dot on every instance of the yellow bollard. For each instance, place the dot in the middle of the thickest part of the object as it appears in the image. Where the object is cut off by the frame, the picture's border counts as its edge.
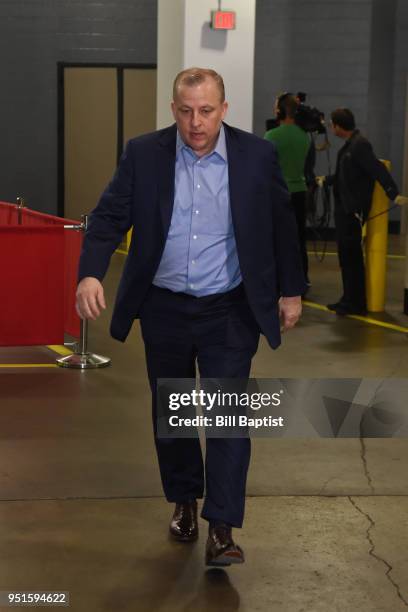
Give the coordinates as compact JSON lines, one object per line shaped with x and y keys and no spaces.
{"x":125,"y":244}
{"x":376,"y":248}
{"x":128,"y":239}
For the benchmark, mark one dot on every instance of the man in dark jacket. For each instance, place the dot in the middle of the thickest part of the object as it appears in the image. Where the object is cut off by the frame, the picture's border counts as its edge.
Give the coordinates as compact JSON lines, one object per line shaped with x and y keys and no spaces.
{"x":357,"y":169}
{"x":214,"y":260}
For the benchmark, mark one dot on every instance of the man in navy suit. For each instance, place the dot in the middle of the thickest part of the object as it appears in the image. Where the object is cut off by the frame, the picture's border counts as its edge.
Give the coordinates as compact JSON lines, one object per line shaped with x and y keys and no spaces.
{"x":214,"y":260}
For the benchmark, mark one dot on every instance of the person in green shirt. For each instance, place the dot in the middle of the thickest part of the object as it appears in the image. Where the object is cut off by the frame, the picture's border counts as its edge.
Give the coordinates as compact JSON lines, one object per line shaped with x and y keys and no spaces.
{"x":293,"y":146}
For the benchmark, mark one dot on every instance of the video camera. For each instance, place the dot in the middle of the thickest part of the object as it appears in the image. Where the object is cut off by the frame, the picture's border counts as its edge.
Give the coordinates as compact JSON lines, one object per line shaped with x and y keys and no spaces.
{"x":309,"y":118}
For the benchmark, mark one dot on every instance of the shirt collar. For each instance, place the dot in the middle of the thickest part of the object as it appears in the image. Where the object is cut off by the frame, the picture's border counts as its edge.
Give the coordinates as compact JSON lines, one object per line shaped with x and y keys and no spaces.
{"x":220,"y":147}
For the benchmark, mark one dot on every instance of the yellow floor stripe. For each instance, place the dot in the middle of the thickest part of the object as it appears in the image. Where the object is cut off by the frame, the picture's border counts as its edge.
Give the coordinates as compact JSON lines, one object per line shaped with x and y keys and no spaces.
{"x":315,"y":305}
{"x":60,"y":349}
{"x":28,"y":365}
{"x":320,"y":253}
{"x":370,"y":320}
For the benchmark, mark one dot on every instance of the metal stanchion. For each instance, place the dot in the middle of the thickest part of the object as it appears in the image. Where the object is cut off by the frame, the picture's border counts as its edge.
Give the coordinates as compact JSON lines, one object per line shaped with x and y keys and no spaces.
{"x":81,"y":358}
{"x":20,"y":206}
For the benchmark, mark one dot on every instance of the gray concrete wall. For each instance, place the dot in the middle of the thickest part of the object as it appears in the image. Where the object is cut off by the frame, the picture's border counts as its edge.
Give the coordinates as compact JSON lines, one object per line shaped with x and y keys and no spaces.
{"x":342,"y":53}
{"x":398,"y":102}
{"x":34,"y":36}
{"x":321,"y":47}
{"x":326,"y":52}
{"x":382,"y":55}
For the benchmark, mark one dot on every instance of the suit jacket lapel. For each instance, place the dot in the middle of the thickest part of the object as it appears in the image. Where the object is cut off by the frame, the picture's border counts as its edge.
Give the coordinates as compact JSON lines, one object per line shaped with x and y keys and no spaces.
{"x":166,"y":161}
{"x":237,"y":172}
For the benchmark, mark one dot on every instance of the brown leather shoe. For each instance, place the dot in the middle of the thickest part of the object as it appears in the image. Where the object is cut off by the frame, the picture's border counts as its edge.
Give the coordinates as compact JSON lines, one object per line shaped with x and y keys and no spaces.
{"x":183,"y":526}
{"x":221,"y":549}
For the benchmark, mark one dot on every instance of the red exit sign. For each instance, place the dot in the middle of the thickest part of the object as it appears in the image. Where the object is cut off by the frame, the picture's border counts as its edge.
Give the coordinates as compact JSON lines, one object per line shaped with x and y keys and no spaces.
{"x":223,"y":20}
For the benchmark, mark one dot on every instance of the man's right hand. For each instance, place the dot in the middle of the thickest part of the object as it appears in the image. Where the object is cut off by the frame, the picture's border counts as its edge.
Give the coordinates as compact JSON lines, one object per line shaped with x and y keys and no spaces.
{"x":89,"y":298}
{"x":320,"y":181}
{"x":401,"y":200}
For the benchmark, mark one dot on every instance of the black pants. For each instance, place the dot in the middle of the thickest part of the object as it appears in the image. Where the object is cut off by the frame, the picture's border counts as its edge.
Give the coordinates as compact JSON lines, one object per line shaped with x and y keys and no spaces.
{"x":298,"y":201}
{"x":221,"y":334}
{"x":351,"y":260}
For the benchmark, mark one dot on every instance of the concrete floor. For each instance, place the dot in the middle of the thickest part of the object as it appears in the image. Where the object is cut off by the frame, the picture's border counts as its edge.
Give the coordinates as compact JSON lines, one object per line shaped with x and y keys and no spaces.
{"x":81,"y":507}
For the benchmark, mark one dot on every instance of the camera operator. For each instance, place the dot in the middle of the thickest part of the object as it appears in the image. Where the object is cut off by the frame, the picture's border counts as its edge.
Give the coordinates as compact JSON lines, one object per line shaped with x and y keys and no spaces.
{"x":293,"y":146}
{"x":357,"y":169}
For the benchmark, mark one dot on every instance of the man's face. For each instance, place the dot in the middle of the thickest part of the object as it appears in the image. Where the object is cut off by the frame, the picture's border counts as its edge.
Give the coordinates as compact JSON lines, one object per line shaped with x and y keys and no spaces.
{"x":198,"y":112}
{"x":337,"y":131}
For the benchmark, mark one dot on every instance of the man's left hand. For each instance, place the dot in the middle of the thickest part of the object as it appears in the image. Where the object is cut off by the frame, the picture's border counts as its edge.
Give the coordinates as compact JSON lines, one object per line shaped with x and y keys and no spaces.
{"x":290,"y":309}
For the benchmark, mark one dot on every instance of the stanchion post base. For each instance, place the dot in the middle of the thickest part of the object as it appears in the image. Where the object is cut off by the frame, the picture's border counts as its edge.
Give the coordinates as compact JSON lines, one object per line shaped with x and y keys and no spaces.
{"x":83,"y":361}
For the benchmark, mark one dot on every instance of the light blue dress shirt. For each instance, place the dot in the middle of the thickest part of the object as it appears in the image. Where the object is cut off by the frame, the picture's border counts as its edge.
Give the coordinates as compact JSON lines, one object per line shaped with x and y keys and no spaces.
{"x":200,"y":254}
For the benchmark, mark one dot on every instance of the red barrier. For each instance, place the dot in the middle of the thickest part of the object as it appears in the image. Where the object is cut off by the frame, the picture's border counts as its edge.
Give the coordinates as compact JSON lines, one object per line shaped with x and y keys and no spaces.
{"x":71,"y":241}
{"x":8,"y":214}
{"x":72,"y":251}
{"x":32,"y":286}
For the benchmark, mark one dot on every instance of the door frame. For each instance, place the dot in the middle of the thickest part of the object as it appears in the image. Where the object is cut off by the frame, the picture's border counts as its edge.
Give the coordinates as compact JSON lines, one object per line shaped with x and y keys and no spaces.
{"x":120,"y":67}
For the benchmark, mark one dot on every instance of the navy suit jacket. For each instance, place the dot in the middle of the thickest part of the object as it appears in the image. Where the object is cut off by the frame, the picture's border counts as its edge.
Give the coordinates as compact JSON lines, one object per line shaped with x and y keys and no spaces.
{"x":141,"y":195}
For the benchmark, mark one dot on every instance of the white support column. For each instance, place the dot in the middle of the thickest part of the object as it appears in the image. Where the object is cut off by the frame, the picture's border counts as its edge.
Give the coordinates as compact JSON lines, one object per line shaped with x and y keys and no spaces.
{"x":185,"y":39}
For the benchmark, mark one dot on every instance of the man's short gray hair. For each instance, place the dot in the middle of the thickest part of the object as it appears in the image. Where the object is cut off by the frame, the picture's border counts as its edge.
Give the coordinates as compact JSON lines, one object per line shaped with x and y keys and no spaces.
{"x":195,"y":76}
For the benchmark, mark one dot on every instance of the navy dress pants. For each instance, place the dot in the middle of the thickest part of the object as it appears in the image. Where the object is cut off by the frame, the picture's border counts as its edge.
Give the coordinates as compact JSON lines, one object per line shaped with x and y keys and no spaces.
{"x":220,"y":335}
{"x":351,"y":259}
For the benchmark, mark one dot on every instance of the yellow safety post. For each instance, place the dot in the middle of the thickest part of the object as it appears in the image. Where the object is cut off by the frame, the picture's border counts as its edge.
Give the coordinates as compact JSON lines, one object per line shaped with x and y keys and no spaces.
{"x":376,"y":248}
{"x":128,"y":239}
{"x":123,"y":248}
